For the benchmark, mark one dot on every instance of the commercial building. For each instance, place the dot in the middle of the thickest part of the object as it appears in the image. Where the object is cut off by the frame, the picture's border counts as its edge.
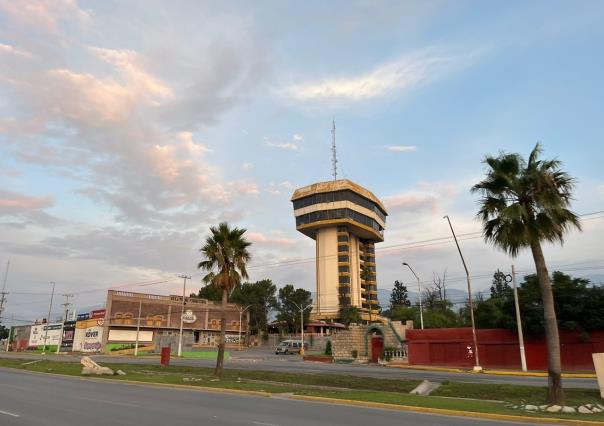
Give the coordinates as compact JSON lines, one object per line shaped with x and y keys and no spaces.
{"x":159,"y":322}
{"x":345,"y":220}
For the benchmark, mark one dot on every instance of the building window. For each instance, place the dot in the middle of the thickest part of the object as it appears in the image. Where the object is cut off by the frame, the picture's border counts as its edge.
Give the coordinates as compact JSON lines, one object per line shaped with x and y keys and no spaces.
{"x":343,"y":249}
{"x":344,"y":280}
{"x":343,"y":259}
{"x":342,"y":238}
{"x":343,"y":268}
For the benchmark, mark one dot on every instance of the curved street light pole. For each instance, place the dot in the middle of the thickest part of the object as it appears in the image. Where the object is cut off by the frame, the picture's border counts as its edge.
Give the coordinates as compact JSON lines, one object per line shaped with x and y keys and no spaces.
{"x":419,"y":289}
{"x":241,"y":311}
{"x":52,"y":295}
{"x":477,"y":366}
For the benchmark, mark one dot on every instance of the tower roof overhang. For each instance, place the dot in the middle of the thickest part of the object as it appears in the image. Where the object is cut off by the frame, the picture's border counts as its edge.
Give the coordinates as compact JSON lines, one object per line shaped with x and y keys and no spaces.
{"x":337,"y":185}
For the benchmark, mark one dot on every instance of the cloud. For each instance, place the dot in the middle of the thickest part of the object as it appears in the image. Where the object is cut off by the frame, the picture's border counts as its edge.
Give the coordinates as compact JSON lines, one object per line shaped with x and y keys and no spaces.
{"x":258,"y":238}
{"x":292,"y":145}
{"x":44,"y":16}
{"x":23,"y":210}
{"x":411,"y":202}
{"x":248,"y":166}
{"x":401,"y":148}
{"x":399,"y":76}
{"x":5,"y":48}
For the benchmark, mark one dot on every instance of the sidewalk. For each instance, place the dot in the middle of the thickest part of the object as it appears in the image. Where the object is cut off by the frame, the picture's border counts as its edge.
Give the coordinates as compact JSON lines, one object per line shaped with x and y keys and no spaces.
{"x":493,"y":371}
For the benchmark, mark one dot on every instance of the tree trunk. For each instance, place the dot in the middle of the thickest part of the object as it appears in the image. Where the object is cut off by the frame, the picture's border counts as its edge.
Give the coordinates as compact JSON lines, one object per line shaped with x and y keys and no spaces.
{"x":555,"y":394}
{"x":223,"y":323}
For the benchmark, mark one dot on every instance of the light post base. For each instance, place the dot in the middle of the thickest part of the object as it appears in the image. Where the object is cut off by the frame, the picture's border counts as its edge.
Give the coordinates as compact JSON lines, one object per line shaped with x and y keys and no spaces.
{"x":477,"y":369}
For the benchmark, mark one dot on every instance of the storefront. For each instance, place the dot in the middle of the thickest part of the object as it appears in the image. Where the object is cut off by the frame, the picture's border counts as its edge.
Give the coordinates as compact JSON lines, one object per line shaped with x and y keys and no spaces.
{"x":160,"y":318}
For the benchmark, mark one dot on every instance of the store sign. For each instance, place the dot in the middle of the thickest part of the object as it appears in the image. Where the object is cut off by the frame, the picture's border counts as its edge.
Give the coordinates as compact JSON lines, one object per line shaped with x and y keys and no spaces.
{"x":189,"y":317}
{"x":68,"y":335}
{"x":92,"y":339}
{"x":99,"y":313}
{"x":40,"y":336}
{"x":83,"y":317}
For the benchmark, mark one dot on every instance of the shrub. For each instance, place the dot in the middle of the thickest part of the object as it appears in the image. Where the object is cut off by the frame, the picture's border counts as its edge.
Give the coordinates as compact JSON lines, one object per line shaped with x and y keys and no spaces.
{"x":355,"y":353}
{"x":328,"y":348}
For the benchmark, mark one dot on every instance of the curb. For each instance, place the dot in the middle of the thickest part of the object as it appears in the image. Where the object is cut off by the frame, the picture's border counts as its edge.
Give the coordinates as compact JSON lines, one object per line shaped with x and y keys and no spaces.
{"x":448,"y":412}
{"x":494,"y":372}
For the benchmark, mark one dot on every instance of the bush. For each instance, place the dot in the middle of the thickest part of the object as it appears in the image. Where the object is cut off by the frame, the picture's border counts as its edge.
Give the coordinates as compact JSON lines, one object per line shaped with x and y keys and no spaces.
{"x":328,"y":348}
{"x":355,"y":353}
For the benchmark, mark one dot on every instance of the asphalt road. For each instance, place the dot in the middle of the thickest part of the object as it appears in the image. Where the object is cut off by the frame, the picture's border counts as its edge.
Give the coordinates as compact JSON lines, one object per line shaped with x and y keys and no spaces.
{"x":37,"y":399}
{"x":255,"y":360}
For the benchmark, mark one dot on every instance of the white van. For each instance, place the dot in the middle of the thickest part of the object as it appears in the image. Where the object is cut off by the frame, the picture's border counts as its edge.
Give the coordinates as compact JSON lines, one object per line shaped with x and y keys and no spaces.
{"x":290,"y":347}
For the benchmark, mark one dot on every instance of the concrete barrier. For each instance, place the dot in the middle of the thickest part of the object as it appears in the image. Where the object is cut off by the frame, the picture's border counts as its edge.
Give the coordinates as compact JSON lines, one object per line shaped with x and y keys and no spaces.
{"x":599,"y":364}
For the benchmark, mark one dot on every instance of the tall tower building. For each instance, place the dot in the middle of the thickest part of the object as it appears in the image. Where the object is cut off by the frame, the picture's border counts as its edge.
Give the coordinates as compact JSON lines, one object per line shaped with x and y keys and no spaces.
{"x":345,"y":220}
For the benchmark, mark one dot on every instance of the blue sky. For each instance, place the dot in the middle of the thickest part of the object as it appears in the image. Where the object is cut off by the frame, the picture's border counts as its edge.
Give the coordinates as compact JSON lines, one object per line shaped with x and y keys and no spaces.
{"x":127,"y":129}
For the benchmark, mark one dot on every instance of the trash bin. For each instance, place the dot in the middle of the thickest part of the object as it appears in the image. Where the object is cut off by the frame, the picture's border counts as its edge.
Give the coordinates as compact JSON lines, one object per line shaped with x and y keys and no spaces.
{"x":165,"y":356}
{"x":599,"y":364}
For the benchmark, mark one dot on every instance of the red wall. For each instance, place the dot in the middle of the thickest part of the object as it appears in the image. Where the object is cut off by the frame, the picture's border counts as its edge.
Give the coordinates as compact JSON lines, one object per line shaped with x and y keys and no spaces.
{"x":498,"y":348}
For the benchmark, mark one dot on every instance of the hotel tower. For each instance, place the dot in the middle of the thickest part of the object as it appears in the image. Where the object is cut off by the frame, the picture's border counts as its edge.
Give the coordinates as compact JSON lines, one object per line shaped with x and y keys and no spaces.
{"x":345,"y":220}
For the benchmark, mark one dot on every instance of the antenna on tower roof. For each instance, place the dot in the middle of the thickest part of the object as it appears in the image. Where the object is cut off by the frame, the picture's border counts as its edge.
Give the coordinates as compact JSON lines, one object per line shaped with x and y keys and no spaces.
{"x":334,"y":158}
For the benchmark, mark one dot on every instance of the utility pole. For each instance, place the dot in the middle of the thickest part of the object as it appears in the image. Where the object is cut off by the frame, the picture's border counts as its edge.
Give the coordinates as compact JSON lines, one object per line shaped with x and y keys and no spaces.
{"x":477,"y":366}
{"x":4,"y":293}
{"x":419,"y":289}
{"x":138,"y":326}
{"x":182,"y":311}
{"x":52,"y":295}
{"x":302,"y":309}
{"x":66,"y":304}
{"x":518,"y":321}
{"x":12,"y":321}
{"x":241,"y":311}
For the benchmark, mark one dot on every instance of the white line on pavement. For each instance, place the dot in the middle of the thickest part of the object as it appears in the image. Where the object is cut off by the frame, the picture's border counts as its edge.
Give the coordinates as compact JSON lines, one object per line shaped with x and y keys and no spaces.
{"x":264,"y":424}
{"x":9,"y":414}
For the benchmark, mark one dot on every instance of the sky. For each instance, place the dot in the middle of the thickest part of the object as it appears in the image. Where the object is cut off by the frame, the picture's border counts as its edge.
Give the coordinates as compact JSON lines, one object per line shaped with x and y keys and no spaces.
{"x":128,"y":128}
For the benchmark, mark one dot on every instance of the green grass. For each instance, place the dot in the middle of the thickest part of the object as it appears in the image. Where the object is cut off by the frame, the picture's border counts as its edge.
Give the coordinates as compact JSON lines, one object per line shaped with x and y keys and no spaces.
{"x":337,"y":386}
{"x":204,"y":355}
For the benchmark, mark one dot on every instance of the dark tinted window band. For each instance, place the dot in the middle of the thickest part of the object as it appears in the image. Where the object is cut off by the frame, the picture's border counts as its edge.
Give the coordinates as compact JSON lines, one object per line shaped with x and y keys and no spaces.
{"x":338,"y":214}
{"x":346,"y":195}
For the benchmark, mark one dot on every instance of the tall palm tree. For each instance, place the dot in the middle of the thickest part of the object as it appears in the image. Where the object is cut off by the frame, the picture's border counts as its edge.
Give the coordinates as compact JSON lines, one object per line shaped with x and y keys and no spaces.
{"x":524,"y":204}
{"x":225,"y":256}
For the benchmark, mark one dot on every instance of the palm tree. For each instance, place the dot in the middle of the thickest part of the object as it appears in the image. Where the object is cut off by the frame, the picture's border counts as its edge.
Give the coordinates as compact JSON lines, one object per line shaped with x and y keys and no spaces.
{"x":524,"y":204}
{"x":225,"y":256}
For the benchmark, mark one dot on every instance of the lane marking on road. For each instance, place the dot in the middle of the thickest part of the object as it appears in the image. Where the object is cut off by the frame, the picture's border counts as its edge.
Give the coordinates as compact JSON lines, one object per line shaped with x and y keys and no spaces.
{"x":9,"y":414}
{"x":264,"y":424}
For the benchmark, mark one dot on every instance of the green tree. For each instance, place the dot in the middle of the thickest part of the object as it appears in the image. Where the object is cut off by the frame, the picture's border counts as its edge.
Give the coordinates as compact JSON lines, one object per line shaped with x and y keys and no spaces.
{"x":399,"y":295}
{"x":210,"y":292}
{"x":350,"y":315}
{"x":500,"y":288}
{"x":405,"y":313}
{"x":3,"y":332}
{"x":288,"y":308}
{"x":225,"y":255}
{"x":524,"y":203}
{"x":261,"y":298}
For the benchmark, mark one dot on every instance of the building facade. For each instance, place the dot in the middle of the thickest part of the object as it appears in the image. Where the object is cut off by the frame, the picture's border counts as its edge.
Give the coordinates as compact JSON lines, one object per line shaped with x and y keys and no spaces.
{"x":345,"y":220}
{"x":160,"y":320}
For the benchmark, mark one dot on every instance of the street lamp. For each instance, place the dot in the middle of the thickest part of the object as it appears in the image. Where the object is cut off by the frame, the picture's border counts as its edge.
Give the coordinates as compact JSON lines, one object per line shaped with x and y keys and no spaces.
{"x":302,"y":309}
{"x":182,"y":311}
{"x":477,"y":366}
{"x":241,"y":311}
{"x":419,"y":289}
{"x":52,"y":295}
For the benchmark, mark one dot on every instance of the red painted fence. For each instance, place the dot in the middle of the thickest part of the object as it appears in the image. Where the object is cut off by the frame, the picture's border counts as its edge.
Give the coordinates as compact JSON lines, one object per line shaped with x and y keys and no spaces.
{"x":498,"y":348}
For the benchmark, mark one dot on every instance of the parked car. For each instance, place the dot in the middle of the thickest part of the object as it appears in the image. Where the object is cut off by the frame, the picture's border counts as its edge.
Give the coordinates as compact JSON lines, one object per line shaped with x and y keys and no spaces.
{"x":290,"y":347}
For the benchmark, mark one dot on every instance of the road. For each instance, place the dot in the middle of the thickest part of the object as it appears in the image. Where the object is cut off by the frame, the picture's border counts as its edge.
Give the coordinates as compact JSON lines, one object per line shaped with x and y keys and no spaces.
{"x":258,"y":360}
{"x":30,"y":399}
